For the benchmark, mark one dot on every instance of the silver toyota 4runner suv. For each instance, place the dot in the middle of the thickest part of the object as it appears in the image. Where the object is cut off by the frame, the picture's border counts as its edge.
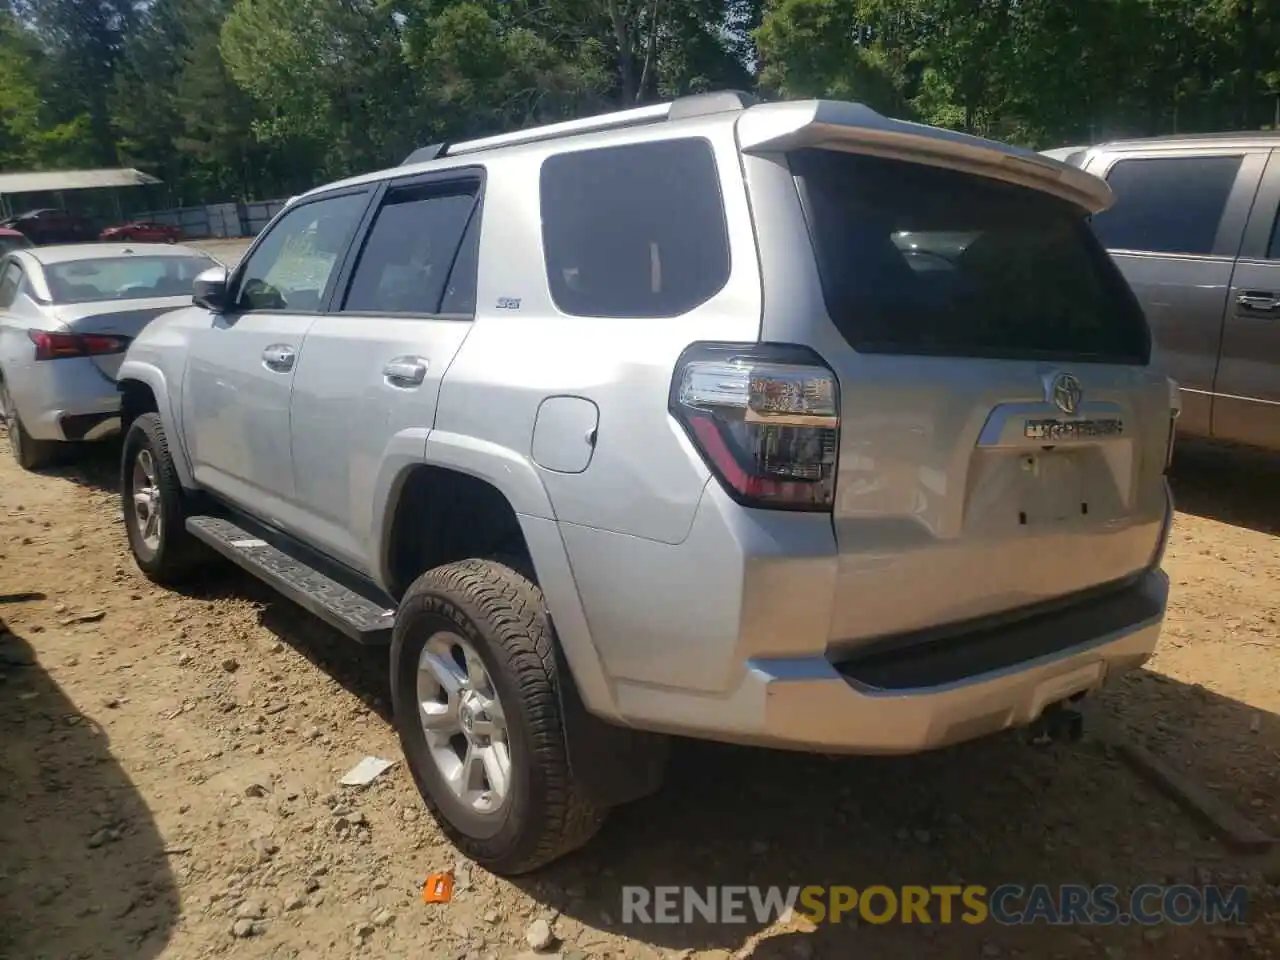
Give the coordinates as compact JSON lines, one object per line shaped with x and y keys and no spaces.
{"x":774,"y":423}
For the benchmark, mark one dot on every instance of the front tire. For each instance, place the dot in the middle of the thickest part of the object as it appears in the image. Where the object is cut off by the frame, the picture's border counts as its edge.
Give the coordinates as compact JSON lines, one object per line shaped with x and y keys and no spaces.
{"x":30,"y":454}
{"x":155,"y":506}
{"x":476,"y":704}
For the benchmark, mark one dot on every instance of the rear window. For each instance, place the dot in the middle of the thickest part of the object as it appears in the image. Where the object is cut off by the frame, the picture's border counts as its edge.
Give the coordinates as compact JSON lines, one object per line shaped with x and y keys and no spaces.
{"x":921,"y":260}
{"x":634,"y":231}
{"x":123,"y":278}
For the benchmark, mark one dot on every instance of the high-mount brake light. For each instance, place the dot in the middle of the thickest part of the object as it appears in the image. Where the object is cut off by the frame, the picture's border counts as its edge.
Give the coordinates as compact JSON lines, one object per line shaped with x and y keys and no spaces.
{"x":60,"y":346}
{"x":765,"y":418}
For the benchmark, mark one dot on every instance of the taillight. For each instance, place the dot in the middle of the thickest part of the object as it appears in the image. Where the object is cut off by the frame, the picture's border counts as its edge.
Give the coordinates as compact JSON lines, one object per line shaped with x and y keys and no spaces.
{"x":765,"y":418}
{"x":59,"y":346}
{"x":1175,"y":409}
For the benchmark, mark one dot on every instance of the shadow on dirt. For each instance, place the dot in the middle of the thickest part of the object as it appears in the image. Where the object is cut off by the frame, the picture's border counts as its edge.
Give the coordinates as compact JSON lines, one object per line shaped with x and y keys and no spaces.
{"x":993,"y":812}
{"x":1229,"y":484}
{"x":83,"y":868}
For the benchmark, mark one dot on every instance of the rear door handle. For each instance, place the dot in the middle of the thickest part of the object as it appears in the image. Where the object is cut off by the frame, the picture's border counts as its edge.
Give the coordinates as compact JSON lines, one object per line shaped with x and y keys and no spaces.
{"x":406,"y":371}
{"x":1263,"y":300}
{"x":279,"y":357}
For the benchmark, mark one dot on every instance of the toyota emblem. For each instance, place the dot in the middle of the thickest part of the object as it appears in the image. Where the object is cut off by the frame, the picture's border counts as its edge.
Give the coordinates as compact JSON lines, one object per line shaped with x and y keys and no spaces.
{"x":1066,"y":393}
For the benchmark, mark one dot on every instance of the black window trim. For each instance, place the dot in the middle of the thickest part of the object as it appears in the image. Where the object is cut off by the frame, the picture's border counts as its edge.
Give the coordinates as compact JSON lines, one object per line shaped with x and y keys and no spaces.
{"x":337,"y":296}
{"x":237,"y":274}
{"x":724,"y":222}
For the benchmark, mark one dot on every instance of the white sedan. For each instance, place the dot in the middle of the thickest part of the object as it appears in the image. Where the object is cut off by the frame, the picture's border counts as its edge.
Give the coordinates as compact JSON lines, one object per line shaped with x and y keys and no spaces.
{"x":67,"y":315}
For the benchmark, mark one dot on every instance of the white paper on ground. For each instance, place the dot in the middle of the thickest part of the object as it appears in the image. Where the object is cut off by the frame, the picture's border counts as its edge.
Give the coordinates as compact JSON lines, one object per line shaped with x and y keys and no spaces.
{"x":366,"y":771}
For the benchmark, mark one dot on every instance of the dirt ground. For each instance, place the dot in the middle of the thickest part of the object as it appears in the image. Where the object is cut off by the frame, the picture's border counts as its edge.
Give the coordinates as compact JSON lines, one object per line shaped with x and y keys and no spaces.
{"x":169,"y":765}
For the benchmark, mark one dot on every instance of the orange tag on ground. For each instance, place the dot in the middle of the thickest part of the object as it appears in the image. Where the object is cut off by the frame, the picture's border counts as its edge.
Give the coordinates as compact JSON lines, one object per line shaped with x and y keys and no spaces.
{"x":438,"y":888}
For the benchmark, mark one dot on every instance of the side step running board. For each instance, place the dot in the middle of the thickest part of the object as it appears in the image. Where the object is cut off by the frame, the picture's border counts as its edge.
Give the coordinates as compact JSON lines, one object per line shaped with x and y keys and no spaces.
{"x":359,"y":617}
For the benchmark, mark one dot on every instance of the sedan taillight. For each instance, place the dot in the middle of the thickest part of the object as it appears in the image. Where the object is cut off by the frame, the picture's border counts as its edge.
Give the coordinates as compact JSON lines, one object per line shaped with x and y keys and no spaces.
{"x":765,"y":418}
{"x":60,"y":346}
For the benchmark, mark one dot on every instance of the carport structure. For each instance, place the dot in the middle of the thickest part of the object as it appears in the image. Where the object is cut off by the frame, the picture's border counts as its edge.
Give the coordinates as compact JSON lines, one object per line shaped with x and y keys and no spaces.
{"x":57,"y":181}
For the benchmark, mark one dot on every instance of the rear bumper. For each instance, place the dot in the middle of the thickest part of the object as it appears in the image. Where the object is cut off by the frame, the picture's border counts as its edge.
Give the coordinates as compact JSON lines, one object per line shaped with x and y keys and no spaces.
{"x":742,"y":648}
{"x":65,"y":400}
{"x":812,"y":703}
{"x":816,"y":704}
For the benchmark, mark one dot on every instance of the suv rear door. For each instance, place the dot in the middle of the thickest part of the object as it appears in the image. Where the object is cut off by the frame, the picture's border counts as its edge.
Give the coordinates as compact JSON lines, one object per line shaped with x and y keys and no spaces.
{"x":1246,"y":403}
{"x":1175,"y":230}
{"x":950,"y":289}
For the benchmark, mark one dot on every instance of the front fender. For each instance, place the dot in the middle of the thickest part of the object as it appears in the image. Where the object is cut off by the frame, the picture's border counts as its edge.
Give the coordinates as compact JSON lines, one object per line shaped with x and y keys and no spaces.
{"x":167,"y":407}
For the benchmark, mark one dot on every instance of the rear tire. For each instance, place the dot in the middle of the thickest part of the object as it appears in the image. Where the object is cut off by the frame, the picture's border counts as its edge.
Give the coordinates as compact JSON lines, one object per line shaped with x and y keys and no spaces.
{"x":30,"y":454}
{"x":158,"y":537}
{"x":488,"y":609}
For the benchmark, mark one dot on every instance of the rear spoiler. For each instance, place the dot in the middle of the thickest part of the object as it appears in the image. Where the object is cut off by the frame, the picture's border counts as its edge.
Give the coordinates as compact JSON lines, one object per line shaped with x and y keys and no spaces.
{"x":856,"y":128}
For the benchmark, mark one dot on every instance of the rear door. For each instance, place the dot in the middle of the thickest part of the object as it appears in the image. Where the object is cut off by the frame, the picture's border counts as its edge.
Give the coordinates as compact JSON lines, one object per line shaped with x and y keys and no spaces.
{"x":1002,"y":434}
{"x":1246,"y":405}
{"x":365,"y":391}
{"x":1175,"y":230}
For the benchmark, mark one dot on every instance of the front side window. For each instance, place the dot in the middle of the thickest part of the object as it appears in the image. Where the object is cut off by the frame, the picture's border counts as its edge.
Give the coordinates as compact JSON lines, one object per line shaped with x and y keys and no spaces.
{"x":413,"y":251}
{"x":291,"y":268}
{"x":1167,"y":204}
{"x":634,"y":231}
{"x":123,"y":278}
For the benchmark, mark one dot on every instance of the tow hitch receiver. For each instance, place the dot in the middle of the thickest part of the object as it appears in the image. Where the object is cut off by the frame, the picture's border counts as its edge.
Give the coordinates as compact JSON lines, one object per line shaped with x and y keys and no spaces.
{"x":1058,"y":722}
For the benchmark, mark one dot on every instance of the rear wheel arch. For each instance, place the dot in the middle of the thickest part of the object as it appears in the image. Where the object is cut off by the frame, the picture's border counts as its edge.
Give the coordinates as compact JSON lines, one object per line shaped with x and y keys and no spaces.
{"x":445,"y":516}
{"x":442,"y":515}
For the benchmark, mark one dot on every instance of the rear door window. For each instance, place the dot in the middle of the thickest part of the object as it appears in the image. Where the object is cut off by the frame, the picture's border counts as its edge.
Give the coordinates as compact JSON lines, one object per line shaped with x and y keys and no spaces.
{"x":1167,"y":204}
{"x":634,"y":231}
{"x":921,"y":260}
{"x":413,"y":250}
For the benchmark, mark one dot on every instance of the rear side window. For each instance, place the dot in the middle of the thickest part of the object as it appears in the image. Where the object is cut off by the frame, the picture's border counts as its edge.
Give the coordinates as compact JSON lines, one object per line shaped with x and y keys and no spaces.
{"x":921,"y":260}
{"x":413,"y":250}
{"x":634,"y":231}
{"x":1167,"y":205}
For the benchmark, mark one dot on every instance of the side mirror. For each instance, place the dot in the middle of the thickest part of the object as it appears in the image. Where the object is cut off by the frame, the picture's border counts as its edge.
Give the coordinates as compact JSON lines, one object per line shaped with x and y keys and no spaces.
{"x":211,"y":290}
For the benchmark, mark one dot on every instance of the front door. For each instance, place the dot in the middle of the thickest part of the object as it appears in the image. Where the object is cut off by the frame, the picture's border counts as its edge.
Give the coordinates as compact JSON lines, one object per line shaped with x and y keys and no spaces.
{"x":364,"y":397}
{"x":235,"y":405}
{"x":1246,"y":406}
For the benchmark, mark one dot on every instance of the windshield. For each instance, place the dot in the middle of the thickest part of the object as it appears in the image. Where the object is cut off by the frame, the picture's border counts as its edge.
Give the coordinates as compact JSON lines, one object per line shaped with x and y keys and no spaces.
{"x":921,"y":260}
{"x":123,"y":278}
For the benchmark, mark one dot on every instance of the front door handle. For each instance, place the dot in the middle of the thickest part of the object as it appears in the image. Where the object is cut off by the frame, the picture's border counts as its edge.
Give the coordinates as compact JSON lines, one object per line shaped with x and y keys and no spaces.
{"x":406,"y":371}
{"x":279,"y":357}
{"x":1263,"y":300}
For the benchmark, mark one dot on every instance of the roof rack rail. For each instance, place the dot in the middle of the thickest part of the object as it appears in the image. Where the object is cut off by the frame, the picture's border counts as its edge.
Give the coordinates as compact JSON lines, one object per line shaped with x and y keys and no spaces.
{"x":705,"y":104}
{"x":683,"y":108}
{"x":423,"y":154}
{"x":635,"y":117}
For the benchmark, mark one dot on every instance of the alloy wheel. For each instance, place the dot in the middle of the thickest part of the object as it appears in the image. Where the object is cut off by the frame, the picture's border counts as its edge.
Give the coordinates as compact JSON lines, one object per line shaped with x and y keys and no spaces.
{"x":464,"y":723}
{"x":146,"y":500}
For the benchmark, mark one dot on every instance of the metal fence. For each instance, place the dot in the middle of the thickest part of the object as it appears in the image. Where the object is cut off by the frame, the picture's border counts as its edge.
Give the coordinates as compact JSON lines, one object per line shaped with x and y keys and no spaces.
{"x":217,"y":219}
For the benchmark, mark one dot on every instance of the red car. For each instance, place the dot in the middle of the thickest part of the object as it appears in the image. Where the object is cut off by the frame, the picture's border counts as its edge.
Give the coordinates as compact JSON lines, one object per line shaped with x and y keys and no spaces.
{"x":142,"y":231}
{"x":12,"y":240}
